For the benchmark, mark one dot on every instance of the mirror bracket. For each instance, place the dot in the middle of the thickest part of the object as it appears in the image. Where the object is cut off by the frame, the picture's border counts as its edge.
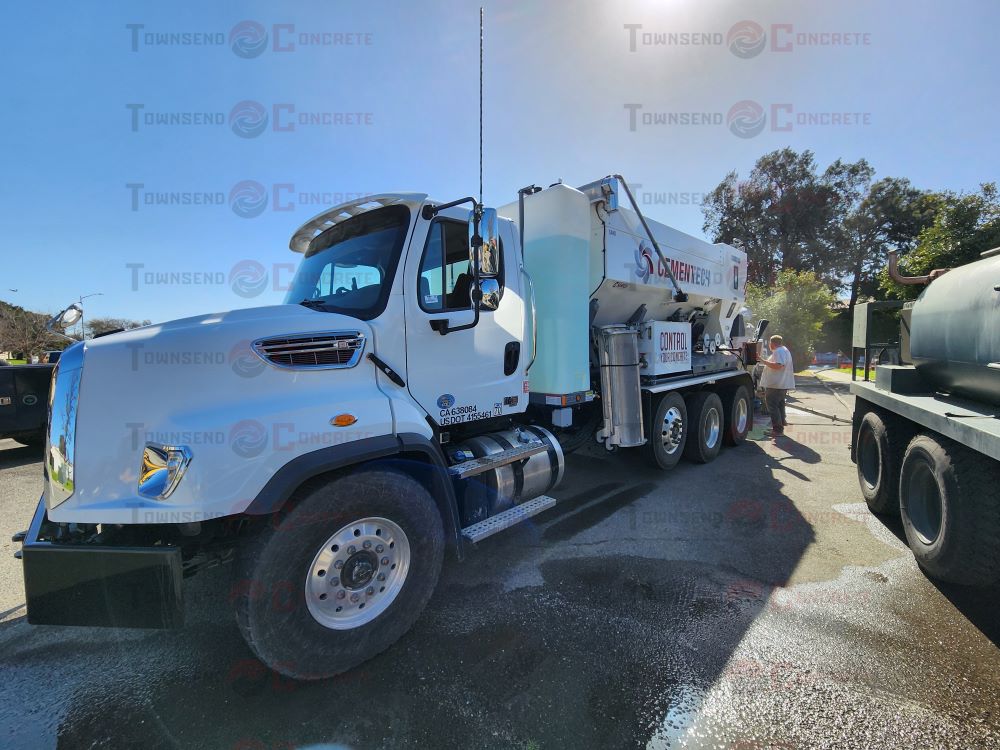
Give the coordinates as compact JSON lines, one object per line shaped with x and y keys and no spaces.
{"x":428,"y":212}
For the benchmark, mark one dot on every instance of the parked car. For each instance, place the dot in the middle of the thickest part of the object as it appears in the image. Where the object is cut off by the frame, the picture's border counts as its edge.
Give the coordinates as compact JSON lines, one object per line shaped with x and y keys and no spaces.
{"x":24,"y":392}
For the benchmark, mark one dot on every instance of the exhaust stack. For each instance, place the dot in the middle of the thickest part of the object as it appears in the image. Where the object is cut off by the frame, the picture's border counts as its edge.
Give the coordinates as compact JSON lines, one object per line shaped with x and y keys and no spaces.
{"x":896,"y":276}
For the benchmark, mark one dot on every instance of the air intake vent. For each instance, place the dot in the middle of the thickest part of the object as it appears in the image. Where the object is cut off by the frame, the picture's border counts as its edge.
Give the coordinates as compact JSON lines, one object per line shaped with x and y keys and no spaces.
{"x":312,"y":351}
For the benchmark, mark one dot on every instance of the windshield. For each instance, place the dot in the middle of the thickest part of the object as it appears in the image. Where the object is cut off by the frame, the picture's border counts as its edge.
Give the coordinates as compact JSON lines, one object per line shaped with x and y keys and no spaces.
{"x":349,"y":267}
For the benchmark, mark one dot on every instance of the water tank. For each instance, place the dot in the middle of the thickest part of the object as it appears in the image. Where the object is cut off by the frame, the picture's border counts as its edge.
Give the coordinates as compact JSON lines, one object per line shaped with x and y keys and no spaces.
{"x":955,"y":331}
{"x":557,"y":255}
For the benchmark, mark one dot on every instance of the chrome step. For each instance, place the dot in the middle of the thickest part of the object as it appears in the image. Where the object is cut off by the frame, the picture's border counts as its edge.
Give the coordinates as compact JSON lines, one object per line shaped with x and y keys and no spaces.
{"x":480,"y":465}
{"x":479,"y":531}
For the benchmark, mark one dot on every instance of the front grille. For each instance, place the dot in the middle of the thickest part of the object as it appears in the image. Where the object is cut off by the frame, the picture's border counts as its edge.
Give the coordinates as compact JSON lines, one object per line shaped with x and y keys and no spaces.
{"x":326,"y":350}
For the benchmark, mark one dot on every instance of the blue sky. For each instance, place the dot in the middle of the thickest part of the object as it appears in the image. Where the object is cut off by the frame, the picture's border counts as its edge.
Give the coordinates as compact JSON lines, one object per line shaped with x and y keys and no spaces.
{"x":301,"y":105}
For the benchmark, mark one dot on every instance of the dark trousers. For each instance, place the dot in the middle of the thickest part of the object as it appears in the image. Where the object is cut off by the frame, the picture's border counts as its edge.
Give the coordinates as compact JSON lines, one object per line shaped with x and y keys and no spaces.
{"x":774,"y":399}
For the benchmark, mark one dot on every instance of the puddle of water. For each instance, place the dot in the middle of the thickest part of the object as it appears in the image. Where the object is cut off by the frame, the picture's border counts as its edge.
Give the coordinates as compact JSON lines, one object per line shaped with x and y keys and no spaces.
{"x":677,"y":724}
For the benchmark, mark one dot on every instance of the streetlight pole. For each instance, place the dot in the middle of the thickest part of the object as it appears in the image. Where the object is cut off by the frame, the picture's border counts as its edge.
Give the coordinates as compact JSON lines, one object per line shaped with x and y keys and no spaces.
{"x":83,"y":331}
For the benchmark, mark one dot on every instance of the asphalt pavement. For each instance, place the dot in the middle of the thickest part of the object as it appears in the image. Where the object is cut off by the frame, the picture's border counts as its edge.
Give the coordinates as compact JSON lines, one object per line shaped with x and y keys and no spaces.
{"x":745,"y":604}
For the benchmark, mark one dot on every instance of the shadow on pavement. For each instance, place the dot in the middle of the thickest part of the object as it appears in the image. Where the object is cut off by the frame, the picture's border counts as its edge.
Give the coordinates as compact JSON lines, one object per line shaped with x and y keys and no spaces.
{"x":979,"y":605}
{"x":601,"y":624}
{"x":19,"y":455}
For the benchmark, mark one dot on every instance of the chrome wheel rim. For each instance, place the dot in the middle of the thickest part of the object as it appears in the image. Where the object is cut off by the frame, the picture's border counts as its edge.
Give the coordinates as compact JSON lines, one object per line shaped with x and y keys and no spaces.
{"x":357,"y":573}
{"x":672,"y":430}
{"x":741,"y":416}
{"x":713,"y":423}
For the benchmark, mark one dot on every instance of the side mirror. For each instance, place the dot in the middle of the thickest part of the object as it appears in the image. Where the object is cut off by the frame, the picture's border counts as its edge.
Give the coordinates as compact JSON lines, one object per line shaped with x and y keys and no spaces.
{"x":484,"y":242}
{"x":60,"y":321}
{"x":489,"y":294}
{"x":761,"y":326}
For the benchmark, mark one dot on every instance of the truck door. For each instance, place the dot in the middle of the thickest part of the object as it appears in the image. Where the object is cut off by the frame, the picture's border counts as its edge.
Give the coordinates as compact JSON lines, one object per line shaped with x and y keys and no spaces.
{"x":469,"y":375}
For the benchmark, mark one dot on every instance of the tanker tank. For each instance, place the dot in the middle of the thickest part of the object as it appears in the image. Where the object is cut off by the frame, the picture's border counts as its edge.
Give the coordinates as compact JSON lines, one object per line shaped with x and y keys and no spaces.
{"x":954,"y":331}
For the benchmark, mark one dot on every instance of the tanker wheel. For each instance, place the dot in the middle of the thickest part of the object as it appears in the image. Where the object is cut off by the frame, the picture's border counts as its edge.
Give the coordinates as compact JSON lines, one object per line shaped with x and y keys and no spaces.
{"x":880,"y":445}
{"x":668,"y":431}
{"x":342,"y":576}
{"x":947,"y":498}
{"x":738,"y":413}
{"x":705,"y":438}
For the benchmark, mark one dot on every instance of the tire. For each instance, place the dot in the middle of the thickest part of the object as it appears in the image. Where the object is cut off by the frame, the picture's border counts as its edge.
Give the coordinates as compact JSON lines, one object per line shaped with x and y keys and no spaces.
{"x":34,"y":440}
{"x":296,"y":630}
{"x":705,"y":415}
{"x":738,"y":413}
{"x":880,"y":445}
{"x":950,"y":511}
{"x":668,"y":431}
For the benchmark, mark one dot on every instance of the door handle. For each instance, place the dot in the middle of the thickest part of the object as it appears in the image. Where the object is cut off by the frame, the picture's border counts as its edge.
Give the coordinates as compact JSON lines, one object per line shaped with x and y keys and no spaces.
{"x":511,"y":356}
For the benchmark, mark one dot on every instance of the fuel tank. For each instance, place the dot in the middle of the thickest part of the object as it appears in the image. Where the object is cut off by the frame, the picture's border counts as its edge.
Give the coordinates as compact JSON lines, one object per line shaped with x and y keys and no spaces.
{"x":501,"y":488}
{"x":955,"y":331}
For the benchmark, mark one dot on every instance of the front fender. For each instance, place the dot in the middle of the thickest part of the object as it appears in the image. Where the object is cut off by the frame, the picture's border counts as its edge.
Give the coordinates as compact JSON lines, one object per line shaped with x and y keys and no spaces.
{"x":410,"y":452}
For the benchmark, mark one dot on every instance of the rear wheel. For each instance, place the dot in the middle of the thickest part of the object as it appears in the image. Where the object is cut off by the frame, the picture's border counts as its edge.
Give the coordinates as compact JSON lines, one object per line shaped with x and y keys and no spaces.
{"x":705,"y":439}
{"x":668,"y":431}
{"x":342,"y":576}
{"x":950,"y":513}
{"x":738,"y":413}
{"x":880,"y":445}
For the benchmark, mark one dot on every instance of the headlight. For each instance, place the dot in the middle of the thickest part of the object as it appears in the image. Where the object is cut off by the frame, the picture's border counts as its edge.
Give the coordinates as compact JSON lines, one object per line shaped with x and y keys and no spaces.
{"x":60,"y":447}
{"x":162,"y":469}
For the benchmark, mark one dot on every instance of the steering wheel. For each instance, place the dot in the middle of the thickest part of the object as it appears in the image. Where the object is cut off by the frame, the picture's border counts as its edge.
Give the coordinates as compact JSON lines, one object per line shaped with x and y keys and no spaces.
{"x":342,"y":290}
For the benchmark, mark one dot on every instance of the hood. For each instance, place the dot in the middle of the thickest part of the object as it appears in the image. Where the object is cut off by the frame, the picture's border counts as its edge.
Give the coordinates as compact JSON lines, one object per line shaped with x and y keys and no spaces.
{"x":200,"y":383}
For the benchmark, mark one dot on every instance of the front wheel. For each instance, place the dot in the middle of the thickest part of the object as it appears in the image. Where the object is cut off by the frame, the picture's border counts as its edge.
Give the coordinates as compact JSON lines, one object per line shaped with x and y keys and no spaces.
{"x":342,"y":576}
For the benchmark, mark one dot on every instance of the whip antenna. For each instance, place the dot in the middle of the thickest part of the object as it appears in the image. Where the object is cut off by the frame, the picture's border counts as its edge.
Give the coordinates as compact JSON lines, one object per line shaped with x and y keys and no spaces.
{"x":481,"y":105}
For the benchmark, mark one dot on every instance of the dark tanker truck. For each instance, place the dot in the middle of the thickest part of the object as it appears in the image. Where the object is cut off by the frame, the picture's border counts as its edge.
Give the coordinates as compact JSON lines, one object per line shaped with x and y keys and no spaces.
{"x":926,"y":430}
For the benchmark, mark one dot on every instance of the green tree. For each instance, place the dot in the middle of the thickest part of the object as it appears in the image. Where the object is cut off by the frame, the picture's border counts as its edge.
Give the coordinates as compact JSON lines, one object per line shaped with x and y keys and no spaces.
{"x":23,"y":332}
{"x":890,"y":216}
{"x":798,"y":305}
{"x":962,"y":227}
{"x":787,"y":215}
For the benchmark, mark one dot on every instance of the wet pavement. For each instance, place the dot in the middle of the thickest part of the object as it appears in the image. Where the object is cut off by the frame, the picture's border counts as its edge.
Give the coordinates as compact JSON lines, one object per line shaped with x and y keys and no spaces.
{"x":749,"y":603}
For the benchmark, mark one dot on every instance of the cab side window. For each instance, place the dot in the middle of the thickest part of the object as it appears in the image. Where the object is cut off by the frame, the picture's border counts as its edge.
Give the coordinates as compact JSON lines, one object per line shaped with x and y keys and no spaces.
{"x":445,"y":279}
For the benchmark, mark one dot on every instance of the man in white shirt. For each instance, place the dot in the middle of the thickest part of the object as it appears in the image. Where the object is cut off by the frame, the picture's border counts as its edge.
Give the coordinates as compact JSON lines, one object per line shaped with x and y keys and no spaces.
{"x":777,"y":380}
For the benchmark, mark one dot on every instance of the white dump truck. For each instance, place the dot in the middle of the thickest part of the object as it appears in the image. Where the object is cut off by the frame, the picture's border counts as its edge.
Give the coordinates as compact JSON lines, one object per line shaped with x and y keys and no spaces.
{"x":415,"y":393}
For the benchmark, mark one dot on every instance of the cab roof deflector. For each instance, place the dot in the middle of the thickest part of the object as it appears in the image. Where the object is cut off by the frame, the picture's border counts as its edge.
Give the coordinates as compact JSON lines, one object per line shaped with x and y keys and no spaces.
{"x":306,"y":233}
